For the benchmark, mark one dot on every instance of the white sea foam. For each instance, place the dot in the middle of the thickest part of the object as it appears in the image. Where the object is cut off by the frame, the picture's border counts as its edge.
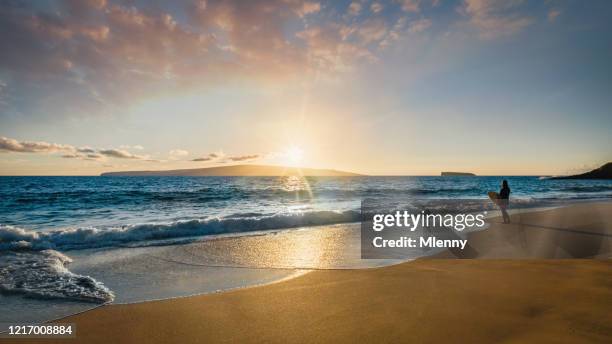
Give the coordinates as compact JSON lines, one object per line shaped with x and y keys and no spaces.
{"x":43,"y":274}
{"x":30,"y":264}
{"x":14,"y":238}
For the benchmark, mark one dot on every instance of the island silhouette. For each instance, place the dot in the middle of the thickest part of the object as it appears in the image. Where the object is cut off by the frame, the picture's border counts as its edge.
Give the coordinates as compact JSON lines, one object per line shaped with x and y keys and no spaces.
{"x":603,"y":172}
{"x":457,"y":174}
{"x":240,"y":171}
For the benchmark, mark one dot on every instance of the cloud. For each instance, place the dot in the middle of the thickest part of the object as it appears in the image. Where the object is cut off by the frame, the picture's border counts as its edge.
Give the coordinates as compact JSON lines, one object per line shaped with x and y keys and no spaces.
{"x":137,"y":147}
{"x":496,"y":18}
{"x":12,"y":145}
{"x":553,"y":14}
{"x":120,"y":154}
{"x":84,"y":57}
{"x":86,"y":150}
{"x":376,"y":7}
{"x":244,"y":157}
{"x":308,"y":7}
{"x":178,"y":152}
{"x":354,"y":8}
{"x":70,"y":152}
{"x":419,"y":25}
{"x":94,"y":156}
{"x":395,"y":33}
{"x":210,"y":157}
{"x":372,"y":30}
{"x":220,"y":157}
{"x":102,"y":55}
{"x":206,"y":158}
{"x":88,"y":156}
{"x":410,"y":5}
{"x":335,"y":47}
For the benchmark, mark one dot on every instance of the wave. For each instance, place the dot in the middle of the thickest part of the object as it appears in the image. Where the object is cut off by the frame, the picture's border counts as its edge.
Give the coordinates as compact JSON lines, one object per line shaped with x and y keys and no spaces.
{"x":124,"y":197}
{"x":577,"y":197}
{"x":203,"y":195}
{"x":31,"y":266}
{"x":590,"y":188}
{"x":16,"y":238}
{"x":44,"y":275}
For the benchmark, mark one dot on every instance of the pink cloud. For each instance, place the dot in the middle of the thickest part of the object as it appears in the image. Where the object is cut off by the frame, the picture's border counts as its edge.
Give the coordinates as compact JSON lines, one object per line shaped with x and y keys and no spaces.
{"x":96,"y":55}
{"x":494,"y":18}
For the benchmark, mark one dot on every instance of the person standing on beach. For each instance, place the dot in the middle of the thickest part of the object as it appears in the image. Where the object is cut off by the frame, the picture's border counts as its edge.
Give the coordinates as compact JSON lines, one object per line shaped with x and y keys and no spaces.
{"x":504,"y":200}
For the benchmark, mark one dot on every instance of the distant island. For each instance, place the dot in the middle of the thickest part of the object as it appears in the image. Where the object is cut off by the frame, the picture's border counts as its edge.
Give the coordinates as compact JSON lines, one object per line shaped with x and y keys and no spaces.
{"x":239,"y":171}
{"x":457,"y":174}
{"x":604,"y":172}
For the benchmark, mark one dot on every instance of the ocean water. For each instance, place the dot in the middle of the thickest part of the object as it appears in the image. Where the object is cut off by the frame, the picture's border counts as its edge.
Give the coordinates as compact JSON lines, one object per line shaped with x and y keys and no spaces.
{"x":71,"y":243}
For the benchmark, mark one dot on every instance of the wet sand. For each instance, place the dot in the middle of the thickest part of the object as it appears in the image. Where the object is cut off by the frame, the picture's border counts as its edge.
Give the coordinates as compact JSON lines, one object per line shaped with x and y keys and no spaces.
{"x":511,"y":295}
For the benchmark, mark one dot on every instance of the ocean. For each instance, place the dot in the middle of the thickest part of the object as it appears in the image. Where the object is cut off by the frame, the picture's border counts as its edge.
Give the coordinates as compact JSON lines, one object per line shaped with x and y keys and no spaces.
{"x":68,"y":244}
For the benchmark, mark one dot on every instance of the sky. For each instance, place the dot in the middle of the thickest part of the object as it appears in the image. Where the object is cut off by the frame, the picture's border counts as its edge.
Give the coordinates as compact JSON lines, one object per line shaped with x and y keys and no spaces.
{"x":402,"y":87}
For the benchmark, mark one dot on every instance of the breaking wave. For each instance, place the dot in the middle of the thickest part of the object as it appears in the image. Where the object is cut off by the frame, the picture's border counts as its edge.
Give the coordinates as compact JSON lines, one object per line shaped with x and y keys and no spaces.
{"x":588,"y":188}
{"x":15,"y":238}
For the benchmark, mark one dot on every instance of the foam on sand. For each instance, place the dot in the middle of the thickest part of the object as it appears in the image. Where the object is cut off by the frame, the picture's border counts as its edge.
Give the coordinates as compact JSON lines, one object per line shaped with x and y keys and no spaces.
{"x":43,"y":274}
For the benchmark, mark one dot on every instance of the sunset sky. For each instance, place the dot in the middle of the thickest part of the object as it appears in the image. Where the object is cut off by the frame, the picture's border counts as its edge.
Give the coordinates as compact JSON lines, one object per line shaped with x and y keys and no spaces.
{"x":376,"y":87}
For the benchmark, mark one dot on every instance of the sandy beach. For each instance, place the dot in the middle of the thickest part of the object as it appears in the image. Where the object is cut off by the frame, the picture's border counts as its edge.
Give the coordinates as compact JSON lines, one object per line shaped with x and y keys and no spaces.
{"x":497,"y":299}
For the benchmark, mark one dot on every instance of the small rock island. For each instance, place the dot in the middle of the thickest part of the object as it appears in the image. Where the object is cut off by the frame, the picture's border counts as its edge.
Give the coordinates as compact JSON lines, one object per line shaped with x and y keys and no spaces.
{"x":457,"y":174}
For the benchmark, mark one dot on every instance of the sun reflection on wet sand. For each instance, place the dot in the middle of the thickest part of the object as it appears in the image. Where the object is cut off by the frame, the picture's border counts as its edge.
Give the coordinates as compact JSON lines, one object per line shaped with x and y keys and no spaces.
{"x":324,"y":247}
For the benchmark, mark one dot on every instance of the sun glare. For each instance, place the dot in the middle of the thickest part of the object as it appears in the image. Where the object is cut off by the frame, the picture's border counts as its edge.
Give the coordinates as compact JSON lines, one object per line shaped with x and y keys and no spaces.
{"x":294,"y":155}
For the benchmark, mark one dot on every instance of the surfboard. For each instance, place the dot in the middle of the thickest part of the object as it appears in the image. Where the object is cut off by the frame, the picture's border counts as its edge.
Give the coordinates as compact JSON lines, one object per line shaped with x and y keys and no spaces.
{"x":494,"y":196}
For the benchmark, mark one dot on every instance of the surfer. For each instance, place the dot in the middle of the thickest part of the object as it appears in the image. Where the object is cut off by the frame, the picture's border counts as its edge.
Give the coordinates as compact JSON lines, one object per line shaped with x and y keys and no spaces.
{"x":504,"y":200}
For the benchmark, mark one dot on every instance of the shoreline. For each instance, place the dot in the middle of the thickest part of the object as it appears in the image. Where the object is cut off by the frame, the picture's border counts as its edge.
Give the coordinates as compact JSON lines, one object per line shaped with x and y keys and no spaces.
{"x":441,"y":262}
{"x":108,"y":304}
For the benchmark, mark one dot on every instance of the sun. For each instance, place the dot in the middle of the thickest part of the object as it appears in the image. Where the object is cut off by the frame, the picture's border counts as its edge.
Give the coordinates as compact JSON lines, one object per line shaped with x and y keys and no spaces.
{"x":293,"y":155}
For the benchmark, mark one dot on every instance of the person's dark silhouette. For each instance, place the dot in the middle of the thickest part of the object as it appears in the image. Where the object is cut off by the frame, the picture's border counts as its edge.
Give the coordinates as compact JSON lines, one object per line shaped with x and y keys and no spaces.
{"x":504,"y":200}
